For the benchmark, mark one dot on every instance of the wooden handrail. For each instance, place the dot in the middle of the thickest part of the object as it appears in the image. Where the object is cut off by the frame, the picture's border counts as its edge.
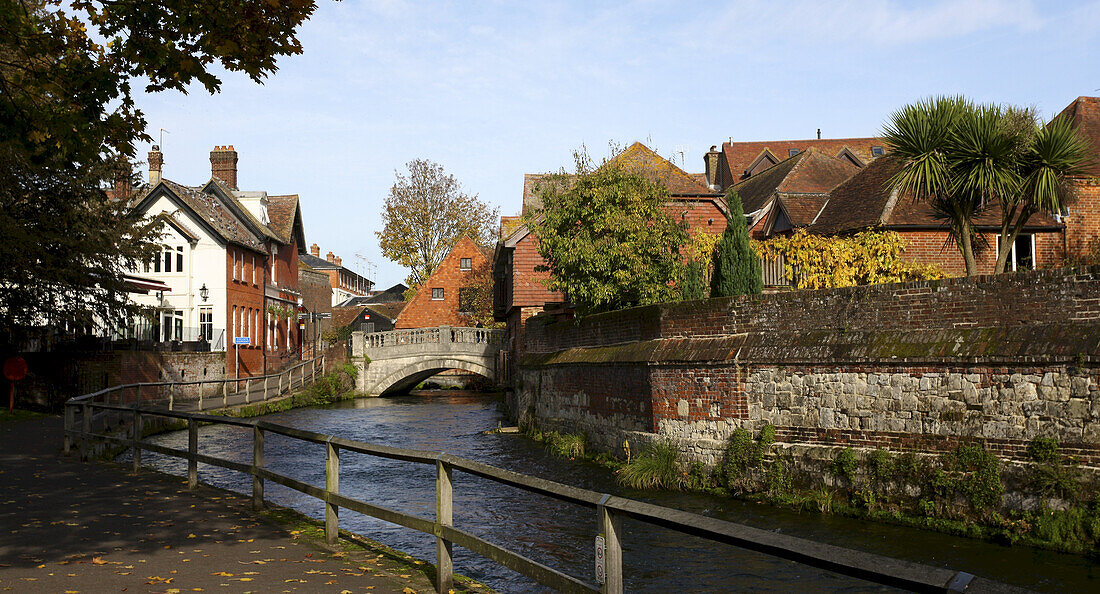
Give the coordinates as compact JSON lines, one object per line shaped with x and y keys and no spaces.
{"x":610,"y":510}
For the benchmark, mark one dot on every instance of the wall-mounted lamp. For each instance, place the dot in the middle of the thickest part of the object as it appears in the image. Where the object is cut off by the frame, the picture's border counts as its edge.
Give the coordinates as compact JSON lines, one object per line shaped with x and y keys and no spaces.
{"x":204,"y":292}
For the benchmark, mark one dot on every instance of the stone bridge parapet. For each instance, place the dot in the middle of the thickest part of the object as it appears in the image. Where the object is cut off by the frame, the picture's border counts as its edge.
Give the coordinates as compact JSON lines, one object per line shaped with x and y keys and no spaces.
{"x":393,"y":361}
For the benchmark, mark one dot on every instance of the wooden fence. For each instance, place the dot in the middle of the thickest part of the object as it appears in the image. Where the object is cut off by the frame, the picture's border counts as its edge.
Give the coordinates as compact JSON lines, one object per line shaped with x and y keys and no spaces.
{"x":609,"y":510}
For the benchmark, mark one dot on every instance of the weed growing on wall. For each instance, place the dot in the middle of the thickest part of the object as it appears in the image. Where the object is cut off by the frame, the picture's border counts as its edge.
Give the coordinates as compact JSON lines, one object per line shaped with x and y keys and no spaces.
{"x":658,"y":466}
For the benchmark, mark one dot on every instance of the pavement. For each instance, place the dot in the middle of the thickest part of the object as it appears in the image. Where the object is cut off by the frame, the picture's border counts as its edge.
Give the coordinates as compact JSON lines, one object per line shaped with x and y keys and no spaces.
{"x":68,"y":526}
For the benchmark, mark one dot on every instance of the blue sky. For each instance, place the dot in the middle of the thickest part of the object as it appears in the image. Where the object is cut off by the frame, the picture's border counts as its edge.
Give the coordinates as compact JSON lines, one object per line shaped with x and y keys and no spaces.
{"x":493,"y":90}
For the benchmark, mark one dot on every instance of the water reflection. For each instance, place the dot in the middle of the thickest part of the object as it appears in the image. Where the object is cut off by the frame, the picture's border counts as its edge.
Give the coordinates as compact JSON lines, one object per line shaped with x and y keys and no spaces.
{"x":558,"y":534}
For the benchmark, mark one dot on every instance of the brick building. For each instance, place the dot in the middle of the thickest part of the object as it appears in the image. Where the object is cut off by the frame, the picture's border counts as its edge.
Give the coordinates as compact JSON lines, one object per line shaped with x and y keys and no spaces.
{"x":1082,"y":217}
{"x":231,"y":259}
{"x":445,"y":298}
{"x":345,"y":283}
{"x":316,"y":305}
{"x":738,"y":161}
{"x":520,"y":291}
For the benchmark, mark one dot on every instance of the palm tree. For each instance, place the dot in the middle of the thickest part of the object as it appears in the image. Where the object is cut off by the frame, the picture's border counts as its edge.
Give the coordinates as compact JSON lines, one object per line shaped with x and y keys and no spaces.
{"x":1054,"y":152}
{"x":962,"y":158}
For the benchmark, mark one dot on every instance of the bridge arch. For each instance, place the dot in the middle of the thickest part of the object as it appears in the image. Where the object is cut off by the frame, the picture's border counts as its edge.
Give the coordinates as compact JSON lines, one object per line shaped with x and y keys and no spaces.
{"x":412,"y":374}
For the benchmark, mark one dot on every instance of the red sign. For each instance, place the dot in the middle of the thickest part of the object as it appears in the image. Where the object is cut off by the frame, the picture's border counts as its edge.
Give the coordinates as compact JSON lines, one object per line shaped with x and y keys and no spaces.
{"x":15,"y":368}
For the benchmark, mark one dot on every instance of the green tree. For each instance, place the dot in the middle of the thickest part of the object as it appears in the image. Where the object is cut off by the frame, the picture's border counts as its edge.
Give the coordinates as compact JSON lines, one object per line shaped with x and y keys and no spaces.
{"x":425,"y":214}
{"x":68,"y":128}
{"x":736,"y":265}
{"x":606,"y":240}
{"x":963,"y":158}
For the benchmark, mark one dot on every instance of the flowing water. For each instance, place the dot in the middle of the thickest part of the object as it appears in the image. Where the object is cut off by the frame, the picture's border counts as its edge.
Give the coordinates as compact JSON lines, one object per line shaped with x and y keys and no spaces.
{"x":560,"y":535}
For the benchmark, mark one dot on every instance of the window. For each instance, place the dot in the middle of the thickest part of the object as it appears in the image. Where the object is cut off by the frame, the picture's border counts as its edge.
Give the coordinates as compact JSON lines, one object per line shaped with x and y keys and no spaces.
{"x":877,"y":151}
{"x":437,"y":294}
{"x":156,"y":263}
{"x":234,"y":254}
{"x":467,"y":299}
{"x":792,"y":152}
{"x":179,"y":258}
{"x":253,"y":268}
{"x":464,"y":264}
{"x":206,"y":323}
{"x":167,"y":259}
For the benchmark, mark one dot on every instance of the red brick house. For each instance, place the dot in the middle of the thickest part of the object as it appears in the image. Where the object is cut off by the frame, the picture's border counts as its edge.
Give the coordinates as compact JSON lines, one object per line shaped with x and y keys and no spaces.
{"x":444,"y":299}
{"x":1082,"y":217}
{"x":230,"y":257}
{"x":520,"y":291}
{"x":345,"y":283}
{"x":863,"y":202}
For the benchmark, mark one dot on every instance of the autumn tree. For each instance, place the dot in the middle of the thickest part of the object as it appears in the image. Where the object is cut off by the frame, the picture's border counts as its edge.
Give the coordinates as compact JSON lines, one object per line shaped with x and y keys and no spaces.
{"x":607,"y":242}
{"x":736,"y":265}
{"x":68,"y":129}
{"x":425,"y":214}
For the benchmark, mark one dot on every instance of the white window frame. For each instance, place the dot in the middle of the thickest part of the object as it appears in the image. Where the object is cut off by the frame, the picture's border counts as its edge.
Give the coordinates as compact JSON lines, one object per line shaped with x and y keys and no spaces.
{"x":1012,"y":253}
{"x":465,"y":263}
{"x":442,"y":294}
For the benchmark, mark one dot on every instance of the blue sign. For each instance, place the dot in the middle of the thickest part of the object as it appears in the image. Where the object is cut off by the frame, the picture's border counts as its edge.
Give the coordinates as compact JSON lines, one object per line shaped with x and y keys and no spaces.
{"x":242,"y":340}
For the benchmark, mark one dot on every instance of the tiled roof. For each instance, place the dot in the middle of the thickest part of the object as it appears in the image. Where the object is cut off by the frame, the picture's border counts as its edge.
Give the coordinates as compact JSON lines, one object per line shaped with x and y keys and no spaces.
{"x":864,"y":202}
{"x":640,"y":159}
{"x":532,"y":201}
{"x":317,"y":263}
{"x":214,"y":212}
{"x":281,"y":211}
{"x":344,"y":316}
{"x":388,"y":310}
{"x":802,"y":209}
{"x":739,"y":155}
{"x":1085,"y":113}
{"x":390,"y":295}
{"x":808,"y":172}
{"x":246,"y":215}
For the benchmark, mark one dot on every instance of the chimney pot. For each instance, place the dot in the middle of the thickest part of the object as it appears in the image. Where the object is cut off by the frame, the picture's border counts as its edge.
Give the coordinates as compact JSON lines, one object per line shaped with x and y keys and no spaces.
{"x":315,"y":250}
{"x":223,"y":165}
{"x":330,"y":257}
{"x":819,"y":133}
{"x":338,"y":261}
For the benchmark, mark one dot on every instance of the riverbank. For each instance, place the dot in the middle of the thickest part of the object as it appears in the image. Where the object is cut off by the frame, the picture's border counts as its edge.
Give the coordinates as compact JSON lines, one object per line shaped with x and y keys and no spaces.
{"x":959,"y":493}
{"x":94,"y":527}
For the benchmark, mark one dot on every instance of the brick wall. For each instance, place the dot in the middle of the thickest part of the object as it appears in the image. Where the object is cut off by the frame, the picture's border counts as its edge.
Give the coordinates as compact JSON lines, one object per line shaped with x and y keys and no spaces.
{"x":1025,"y":298}
{"x":1083,"y":222}
{"x":423,"y":311}
{"x":937,"y":247}
{"x":529,"y":285}
{"x":916,"y":366}
{"x":316,"y":298}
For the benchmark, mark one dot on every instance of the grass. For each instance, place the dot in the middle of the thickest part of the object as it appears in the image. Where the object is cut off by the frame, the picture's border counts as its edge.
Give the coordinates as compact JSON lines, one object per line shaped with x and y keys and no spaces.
{"x":20,"y":414}
{"x":657,"y":467}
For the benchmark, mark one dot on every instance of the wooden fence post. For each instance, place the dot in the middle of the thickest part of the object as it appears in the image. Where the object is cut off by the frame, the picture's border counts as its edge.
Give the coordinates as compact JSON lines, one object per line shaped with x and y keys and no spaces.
{"x":332,"y":485}
{"x":85,"y":429}
{"x":202,"y":385}
{"x":257,"y":463}
{"x":247,"y":391}
{"x":444,"y":516}
{"x":265,"y":387}
{"x":171,"y":396}
{"x":135,"y":439}
{"x":225,"y":393}
{"x":70,"y":421}
{"x":192,"y":452}
{"x":610,"y":528}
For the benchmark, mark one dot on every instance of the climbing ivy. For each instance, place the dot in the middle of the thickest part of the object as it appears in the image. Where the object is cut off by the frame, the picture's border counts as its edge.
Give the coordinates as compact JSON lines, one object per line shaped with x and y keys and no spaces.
{"x":866,"y":258}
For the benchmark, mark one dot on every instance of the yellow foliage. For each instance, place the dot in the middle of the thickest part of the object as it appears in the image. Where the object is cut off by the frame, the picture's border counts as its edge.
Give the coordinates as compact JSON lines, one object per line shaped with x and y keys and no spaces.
{"x":867,"y":258}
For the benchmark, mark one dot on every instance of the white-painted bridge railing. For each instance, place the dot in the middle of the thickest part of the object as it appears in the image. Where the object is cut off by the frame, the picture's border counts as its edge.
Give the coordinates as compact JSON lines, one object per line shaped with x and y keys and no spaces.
{"x":438,"y":335}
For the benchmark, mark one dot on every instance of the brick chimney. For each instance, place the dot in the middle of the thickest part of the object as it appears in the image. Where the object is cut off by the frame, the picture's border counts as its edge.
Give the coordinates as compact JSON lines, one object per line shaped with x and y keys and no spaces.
{"x":330,"y":257}
{"x":711,"y":160}
{"x":315,"y":250}
{"x":338,"y":261}
{"x":156,"y":164}
{"x":223,"y":165}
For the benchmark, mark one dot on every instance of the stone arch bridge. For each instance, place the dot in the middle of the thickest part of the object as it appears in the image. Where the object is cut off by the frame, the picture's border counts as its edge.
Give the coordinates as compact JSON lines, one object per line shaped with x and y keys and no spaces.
{"x":401,"y":359}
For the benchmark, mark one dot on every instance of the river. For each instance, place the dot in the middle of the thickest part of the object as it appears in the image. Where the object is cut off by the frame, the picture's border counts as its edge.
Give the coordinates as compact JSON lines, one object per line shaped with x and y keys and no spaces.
{"x":561,"y":535}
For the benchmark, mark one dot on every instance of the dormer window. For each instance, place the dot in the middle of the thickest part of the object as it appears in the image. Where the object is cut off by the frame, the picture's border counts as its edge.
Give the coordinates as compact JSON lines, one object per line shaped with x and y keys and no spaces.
{"x":792,"y":152}
{"x":465,"y":264}
{"x":877,"y":151}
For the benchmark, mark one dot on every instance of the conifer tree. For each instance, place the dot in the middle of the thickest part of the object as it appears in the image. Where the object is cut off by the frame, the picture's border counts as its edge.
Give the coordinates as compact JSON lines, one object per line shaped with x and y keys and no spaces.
{"x":736,"y":267}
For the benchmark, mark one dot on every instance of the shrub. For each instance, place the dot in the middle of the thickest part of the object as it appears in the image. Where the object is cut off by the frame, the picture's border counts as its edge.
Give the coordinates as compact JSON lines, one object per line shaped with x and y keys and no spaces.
{"x":1051,"y":474}
{"x":844,"y":465}
{"x":743,"y":453}
{"x":973,"y":472}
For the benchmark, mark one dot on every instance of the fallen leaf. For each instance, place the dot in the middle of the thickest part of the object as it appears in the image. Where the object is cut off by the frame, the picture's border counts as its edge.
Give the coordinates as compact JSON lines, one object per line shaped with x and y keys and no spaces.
{"x":222,"y":573}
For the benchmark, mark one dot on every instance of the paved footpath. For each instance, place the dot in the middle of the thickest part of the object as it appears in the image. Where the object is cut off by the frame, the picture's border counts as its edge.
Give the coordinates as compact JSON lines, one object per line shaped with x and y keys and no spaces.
{"x":67,"y":526}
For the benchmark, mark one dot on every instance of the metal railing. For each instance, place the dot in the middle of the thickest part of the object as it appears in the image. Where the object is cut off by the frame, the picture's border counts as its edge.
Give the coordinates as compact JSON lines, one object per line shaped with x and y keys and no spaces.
{"x":196,"y":395}
{"x":610,"y":510}
{"x":439,"y":335}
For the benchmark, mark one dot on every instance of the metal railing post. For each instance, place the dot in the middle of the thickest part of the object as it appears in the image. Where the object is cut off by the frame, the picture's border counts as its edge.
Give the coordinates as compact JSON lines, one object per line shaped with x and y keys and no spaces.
{"x":610,"y":528}
{"x":332,"y":485}
{"x":247,"y":391}
{"x":192,"y":452}
{"x":70,"y":421}
{"x":257,"y":463}
{"x":444,"y":516}
{"x":85,"y":429}
{"x":135,"y":440}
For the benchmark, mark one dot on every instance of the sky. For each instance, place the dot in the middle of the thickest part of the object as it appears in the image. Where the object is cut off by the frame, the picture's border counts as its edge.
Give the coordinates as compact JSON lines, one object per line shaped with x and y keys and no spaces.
{"x":493,"y":90}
